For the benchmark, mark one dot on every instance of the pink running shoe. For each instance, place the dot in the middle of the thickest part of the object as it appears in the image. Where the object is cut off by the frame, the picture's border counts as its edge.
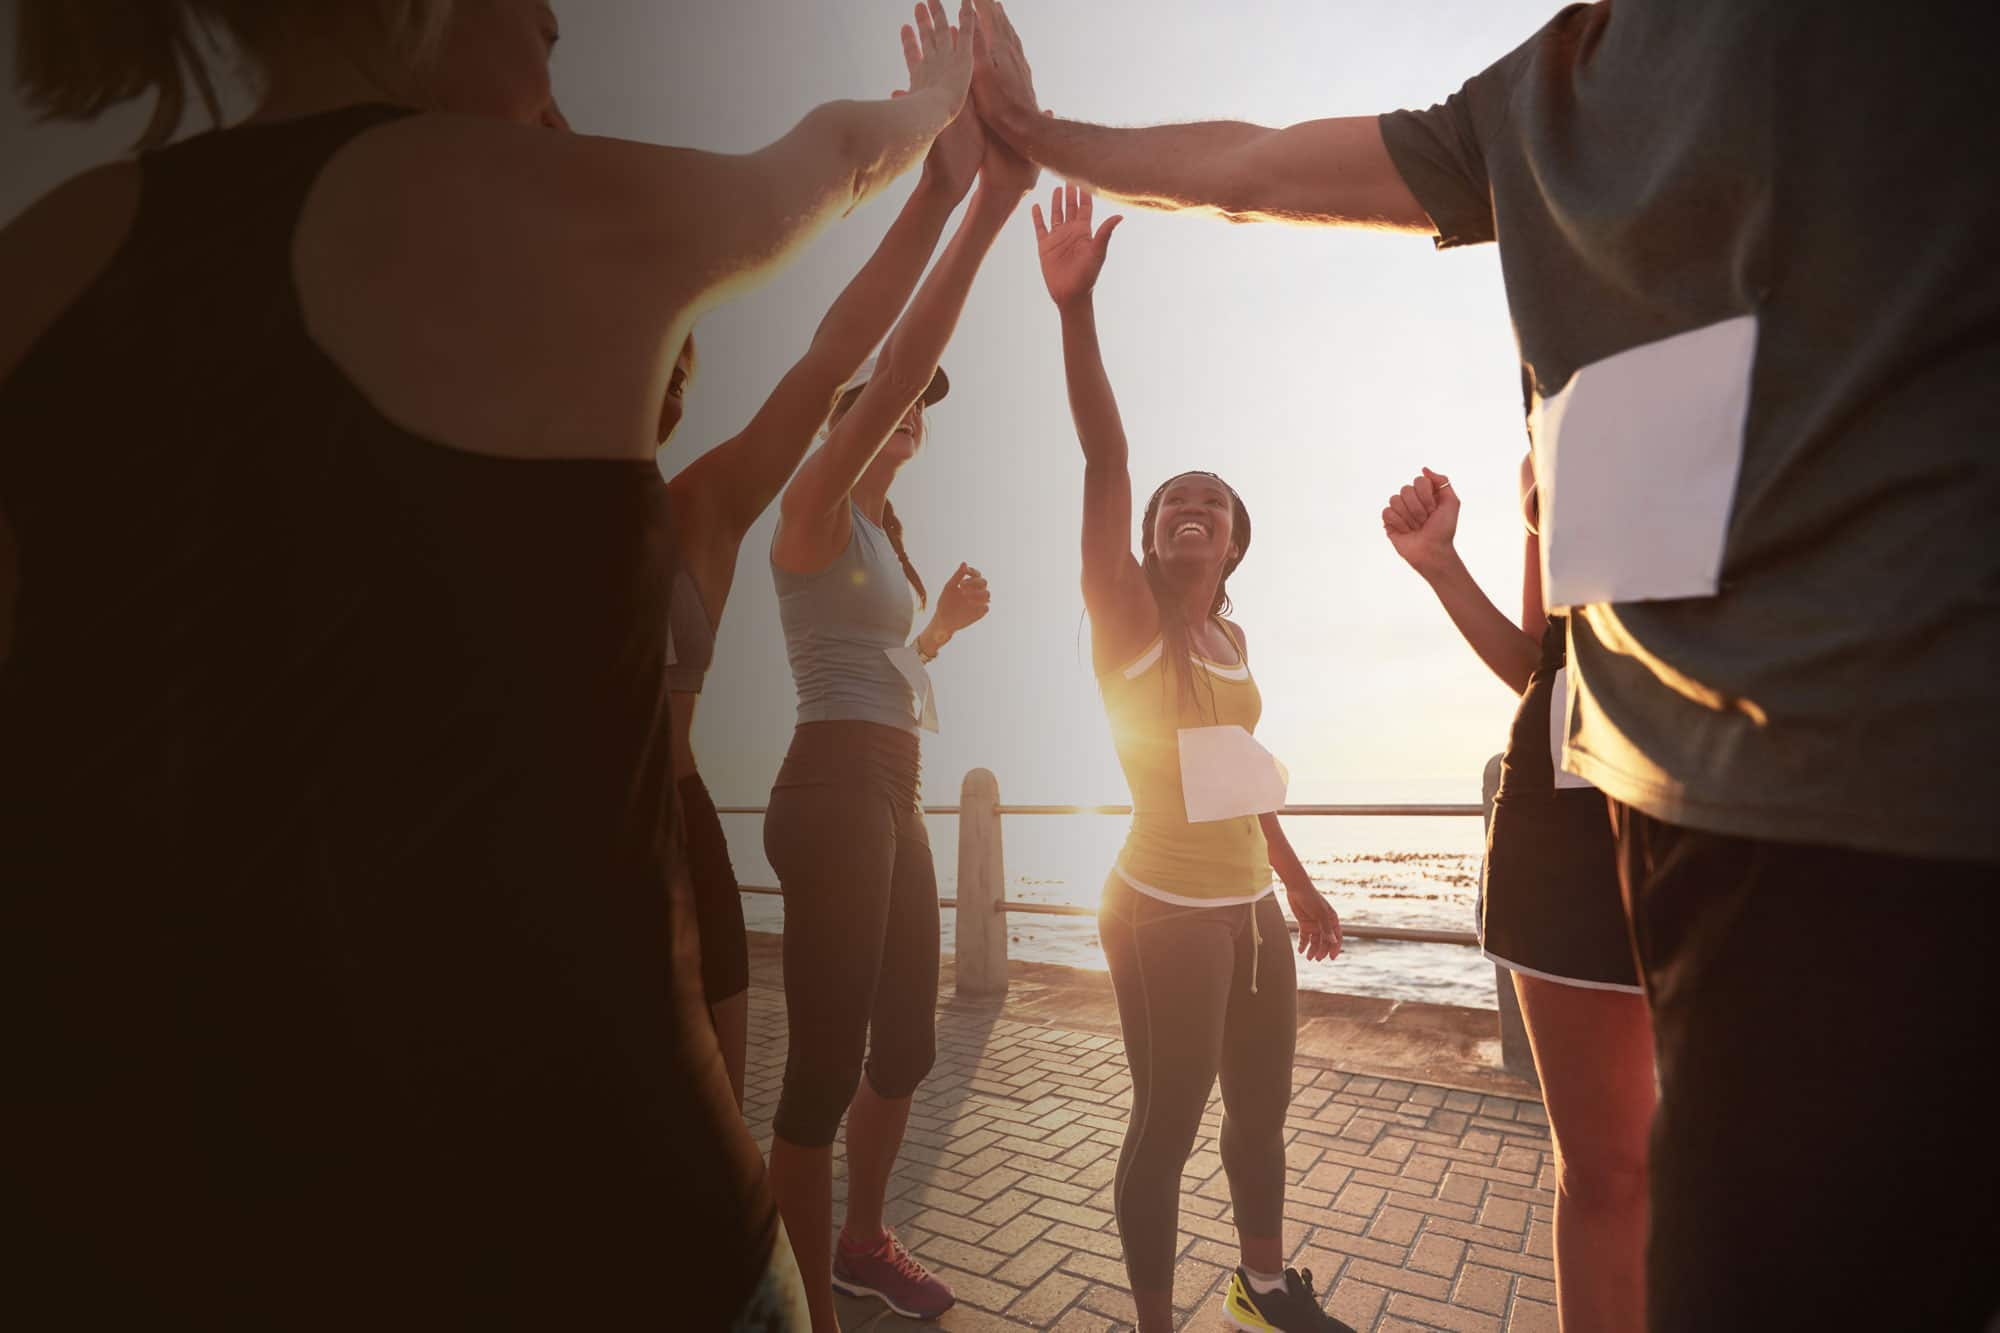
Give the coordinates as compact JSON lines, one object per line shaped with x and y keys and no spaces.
{"x":893,"y":1273}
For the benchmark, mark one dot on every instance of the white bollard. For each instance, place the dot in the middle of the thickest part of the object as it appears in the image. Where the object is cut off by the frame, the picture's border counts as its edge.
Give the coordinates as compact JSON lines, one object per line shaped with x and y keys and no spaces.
{"x":982,"y":883}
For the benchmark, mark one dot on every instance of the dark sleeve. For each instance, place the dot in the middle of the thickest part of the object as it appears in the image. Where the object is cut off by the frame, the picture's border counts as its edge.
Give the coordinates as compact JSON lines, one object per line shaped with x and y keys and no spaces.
{"x":1438,"y":153}
{"x":1446,"y":154}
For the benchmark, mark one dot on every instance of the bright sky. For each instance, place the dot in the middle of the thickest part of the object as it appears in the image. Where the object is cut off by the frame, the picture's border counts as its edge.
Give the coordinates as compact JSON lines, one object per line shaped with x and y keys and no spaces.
{"x":1316,"y":370}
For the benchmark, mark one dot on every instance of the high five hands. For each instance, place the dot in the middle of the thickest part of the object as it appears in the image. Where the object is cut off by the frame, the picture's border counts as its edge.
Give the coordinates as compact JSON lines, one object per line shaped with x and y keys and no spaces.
{"x":939,"y":56}
{"x":965,"y":147}
{"x":956,"y":153}
{"x":1002,"y":84}
{"x":1072,"y":256}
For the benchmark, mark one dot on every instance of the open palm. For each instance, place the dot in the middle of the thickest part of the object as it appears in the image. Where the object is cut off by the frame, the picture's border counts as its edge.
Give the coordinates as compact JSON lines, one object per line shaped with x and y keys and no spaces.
{"x":1071,"y":256}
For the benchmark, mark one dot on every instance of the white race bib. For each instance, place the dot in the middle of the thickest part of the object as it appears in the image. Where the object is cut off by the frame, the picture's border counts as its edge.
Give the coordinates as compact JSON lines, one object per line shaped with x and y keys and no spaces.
{"x":1226,"y":774}
{"x":1636,"y":461}
{"x":904,"y":658}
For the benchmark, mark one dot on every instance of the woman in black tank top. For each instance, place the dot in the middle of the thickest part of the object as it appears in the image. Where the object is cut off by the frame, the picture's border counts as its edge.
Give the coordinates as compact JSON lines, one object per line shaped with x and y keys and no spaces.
{"x":333,"y":813}
{"x":1551,"y":913}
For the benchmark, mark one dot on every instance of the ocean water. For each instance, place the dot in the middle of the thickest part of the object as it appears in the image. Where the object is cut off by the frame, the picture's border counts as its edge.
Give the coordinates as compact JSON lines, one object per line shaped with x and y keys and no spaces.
{"x":1413,"y":872}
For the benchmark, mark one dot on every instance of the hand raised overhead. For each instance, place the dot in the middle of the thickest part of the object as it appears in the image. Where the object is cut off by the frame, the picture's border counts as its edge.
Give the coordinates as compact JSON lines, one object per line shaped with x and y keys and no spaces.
{"x":1003,"y":86}
{"x":1422,"y":519}
{"x":939,"y":56}
{"x":956,"y":154}
{"x":1071,"y":256}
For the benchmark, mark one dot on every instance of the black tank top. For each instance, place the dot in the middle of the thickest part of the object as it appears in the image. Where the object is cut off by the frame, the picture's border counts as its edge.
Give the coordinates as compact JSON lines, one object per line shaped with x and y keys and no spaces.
{"x":335,"y":805}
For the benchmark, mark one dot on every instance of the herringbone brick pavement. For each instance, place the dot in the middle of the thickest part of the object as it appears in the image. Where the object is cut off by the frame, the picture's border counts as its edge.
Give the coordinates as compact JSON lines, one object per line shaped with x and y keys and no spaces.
{"x":1415,"y":1207}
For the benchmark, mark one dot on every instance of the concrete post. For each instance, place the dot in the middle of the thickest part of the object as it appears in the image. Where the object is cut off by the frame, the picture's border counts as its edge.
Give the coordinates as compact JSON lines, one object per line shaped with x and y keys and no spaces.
{"x":982,"y":883}
{"x":1515,"y":1054}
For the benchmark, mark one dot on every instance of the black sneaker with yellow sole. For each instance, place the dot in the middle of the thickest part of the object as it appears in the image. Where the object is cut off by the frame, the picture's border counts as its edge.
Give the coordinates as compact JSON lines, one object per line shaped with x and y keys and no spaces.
{"x":1293,"y":1310}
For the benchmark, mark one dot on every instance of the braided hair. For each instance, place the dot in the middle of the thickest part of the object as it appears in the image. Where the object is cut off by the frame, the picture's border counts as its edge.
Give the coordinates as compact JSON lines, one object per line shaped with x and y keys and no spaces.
{"x":892,"y":527}
{"x":1176,"y":643}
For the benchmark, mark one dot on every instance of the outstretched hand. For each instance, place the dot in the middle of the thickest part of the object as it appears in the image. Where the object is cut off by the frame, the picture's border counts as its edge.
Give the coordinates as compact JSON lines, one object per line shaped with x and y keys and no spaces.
{"x":1003,"y":86}
{"x":1071,"y":256}
{"x":1422,"y":519}
{"x":939,"y":56}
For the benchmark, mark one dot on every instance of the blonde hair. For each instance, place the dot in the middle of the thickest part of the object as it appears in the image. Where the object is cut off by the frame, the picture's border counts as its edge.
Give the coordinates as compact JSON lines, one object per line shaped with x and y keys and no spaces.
{"x":75,"y":59}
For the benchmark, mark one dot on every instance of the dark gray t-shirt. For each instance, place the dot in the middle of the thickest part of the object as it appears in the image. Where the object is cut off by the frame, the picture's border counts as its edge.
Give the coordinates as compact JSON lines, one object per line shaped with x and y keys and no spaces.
{"x":1829,"y":171}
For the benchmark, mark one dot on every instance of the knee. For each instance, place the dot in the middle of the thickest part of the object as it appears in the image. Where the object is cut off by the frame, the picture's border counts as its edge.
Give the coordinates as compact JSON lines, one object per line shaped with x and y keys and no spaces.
{"x":1602,"y":1177}
{"x":1253,"y":1136}
{"x":896,"y":1070}
{"x":819,"y":1083}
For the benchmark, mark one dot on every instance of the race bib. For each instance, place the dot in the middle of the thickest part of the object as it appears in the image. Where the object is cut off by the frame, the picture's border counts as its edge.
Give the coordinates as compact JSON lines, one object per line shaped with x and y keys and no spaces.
{"x":1636,"y":461}
{"x":924,"y":710}
{"x":1226,"y":774}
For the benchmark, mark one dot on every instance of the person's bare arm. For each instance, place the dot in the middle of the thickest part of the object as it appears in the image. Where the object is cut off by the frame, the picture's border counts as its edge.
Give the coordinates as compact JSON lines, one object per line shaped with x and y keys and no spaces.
{"x":728,"y":487}
{"x":732,"y":218}
{"x":1421,"y":521}
{"x":814,"y":506}
{"x":1122,"y":614}
{"x":1332,"y":172}
{"x":1319,"y":924}
{"x":1534,"y":610}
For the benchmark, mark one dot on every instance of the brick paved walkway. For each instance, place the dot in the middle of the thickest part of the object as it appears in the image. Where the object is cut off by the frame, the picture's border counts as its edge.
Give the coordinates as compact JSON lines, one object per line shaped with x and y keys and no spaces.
{"x":1420,"y":1207}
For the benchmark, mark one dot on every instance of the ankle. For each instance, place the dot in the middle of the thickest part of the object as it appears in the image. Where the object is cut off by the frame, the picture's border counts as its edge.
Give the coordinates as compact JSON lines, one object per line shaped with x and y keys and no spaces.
{"x":860,"y":1242}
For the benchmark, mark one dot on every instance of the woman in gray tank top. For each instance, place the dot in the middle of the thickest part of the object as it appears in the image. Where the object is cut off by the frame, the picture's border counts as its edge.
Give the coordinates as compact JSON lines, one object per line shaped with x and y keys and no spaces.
{"x":844,"y":831}
{"x":722,"y":492}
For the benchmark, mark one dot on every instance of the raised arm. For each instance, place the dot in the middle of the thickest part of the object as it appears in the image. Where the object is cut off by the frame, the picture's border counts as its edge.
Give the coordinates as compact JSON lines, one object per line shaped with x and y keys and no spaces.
{"x":1333,"y":172}
{"x":814,"y":506}
{"x":1122,"y":613}
{"x":1421,"y":521}
{"x":733,"y":483}
{"x":735,"y":217}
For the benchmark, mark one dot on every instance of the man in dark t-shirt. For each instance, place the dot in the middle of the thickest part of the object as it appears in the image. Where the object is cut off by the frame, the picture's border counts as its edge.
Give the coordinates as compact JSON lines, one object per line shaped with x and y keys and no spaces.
{"x":1745,"y":251}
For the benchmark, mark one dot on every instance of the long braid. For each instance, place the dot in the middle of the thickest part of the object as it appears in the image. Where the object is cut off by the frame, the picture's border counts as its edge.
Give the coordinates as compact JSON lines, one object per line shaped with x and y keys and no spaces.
{"x":893,"y":528}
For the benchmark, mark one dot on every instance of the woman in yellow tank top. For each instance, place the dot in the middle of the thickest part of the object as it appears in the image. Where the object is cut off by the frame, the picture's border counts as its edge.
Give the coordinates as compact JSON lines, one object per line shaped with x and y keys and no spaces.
{"x":1190,"y":922}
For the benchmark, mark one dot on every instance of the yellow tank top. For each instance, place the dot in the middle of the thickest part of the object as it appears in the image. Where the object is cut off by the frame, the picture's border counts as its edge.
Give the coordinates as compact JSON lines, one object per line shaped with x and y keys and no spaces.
{"x":1211,"y":863}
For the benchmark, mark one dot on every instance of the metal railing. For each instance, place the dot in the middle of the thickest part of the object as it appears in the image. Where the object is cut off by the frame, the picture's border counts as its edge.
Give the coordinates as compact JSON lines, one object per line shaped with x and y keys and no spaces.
{"x":981,"y":904}
{"x":982,"y":907}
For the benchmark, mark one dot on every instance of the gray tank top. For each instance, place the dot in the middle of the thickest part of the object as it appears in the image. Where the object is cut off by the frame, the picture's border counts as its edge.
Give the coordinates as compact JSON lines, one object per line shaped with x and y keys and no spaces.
{"x":842,"y":623}
{"x":690,"y":637}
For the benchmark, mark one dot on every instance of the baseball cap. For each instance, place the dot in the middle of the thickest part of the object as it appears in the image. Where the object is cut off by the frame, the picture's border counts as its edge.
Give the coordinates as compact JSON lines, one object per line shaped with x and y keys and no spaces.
{"x":940,"y":384}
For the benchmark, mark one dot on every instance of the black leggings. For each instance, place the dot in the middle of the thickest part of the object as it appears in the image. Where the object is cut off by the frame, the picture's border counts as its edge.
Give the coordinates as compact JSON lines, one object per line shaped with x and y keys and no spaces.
{"x":846,"y":835}
{"x":718,"y":902}
{"x":1183,"y":977}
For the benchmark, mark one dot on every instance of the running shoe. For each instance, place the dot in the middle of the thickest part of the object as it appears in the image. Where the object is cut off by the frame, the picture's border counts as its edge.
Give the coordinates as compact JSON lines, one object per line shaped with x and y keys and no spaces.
{"x":893,"y":1273}
{"x":1293,"y":1310}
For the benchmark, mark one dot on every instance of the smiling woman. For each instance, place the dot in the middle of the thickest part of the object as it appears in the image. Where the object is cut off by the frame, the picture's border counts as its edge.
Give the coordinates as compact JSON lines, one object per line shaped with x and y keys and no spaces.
{"x":1189,"y":897}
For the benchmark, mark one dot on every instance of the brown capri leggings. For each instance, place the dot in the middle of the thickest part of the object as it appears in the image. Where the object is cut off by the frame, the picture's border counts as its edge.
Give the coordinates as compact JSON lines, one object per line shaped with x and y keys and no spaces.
{"x":846,"y":835}
{"x":1183,"y":977}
